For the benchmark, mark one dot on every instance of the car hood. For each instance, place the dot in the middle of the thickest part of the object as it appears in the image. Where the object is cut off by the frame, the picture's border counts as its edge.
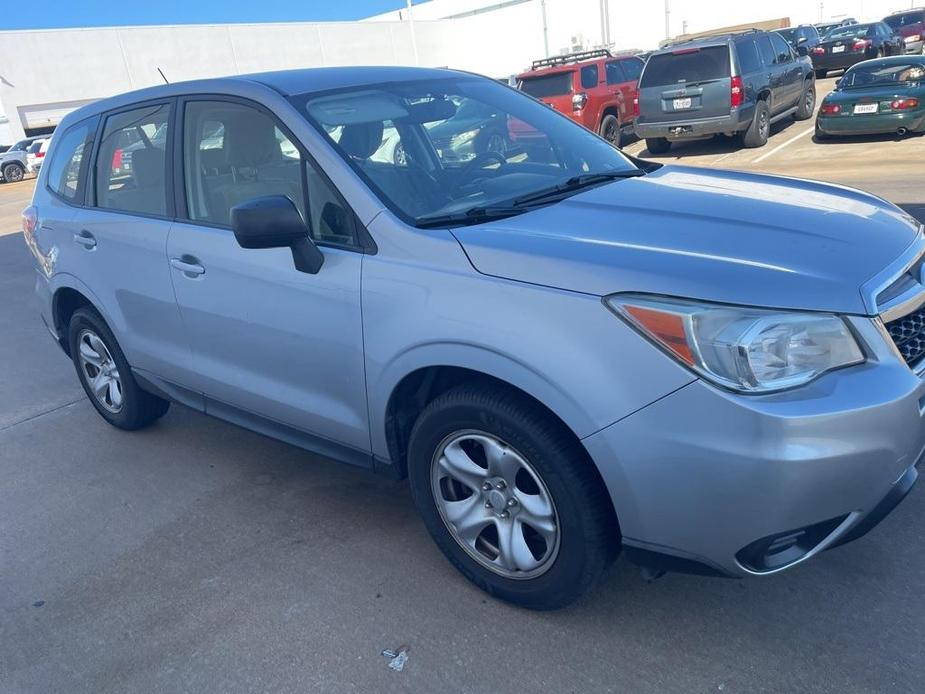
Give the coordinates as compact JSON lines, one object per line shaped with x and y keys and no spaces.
{"x":720,"y":236}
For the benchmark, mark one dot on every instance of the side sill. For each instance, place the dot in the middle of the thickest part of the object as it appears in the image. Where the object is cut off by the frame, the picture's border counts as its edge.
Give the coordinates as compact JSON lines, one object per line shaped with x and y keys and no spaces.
{"x":257,"y":423}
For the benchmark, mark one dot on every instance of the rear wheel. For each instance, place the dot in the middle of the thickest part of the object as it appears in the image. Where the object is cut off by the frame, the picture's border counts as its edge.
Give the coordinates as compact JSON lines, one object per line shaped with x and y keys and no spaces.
{"x":510,"y":497}
{"x":819,"y":136}
{"x":610,"y":130}
{"x":807,"y":103}
{"x":760,"y":128}
{"x":13,"y":173}
{"x":106,"y":376}
{"x":658,"y":145}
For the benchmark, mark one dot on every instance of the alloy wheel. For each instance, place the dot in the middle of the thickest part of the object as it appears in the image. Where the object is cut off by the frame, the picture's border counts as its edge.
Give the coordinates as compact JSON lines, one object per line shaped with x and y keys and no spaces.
{"x":100,"y":371}
{"x":13,"y":174}
{"x":495,"y":504}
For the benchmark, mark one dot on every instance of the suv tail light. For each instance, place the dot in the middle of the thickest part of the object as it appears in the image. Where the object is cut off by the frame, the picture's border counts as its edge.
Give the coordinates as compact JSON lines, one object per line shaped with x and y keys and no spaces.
{"x":904,"y":104}
{"x":635,"y":107}
{"x":579,"y":100}
{"x":737,"y":92}
{"x":861,"y":45}
{"x":30,"y":217}
{"x":830,"y":109}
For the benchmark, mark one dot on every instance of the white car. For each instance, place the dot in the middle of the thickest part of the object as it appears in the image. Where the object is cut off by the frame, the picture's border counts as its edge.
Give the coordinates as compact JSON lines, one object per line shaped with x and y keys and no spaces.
{"x":35,"y":155}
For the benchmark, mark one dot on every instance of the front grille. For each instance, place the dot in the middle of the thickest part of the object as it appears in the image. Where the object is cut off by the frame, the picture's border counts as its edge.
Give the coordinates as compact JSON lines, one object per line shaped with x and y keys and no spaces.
{"x":908,"y":333}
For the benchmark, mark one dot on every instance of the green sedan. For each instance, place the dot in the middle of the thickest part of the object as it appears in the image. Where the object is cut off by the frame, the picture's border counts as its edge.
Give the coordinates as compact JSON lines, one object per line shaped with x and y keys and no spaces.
{"x":886,"y":95}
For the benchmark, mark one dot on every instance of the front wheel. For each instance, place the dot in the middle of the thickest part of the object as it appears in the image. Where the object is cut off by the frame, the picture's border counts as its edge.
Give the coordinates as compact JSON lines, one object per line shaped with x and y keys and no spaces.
{"x":658,"y":145}
{"x":106,"y":376}
{"x":13,"y":173}
{"x":510,"y":497}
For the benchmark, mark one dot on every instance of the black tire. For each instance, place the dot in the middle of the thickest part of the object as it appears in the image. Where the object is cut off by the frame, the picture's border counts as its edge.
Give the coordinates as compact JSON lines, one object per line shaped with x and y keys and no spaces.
{"x":138,"y":407}
{"x":819,"y":136}
{"x":807,"y":103}
{"x":821,"y":74}
{"x":658,"y":145}
{"x":13,"y":173}
{"x":610,"y":130}
{"x":588,"y":533}
{"x":760,"y":128}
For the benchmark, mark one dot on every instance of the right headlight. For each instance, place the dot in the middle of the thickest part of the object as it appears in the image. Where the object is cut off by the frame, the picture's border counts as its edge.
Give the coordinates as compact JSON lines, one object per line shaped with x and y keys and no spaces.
{"x":744,"y":349}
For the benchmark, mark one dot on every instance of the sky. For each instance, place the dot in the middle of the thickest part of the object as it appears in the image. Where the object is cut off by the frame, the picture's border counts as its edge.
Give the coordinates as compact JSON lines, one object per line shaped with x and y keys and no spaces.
{"x":83,"y":13}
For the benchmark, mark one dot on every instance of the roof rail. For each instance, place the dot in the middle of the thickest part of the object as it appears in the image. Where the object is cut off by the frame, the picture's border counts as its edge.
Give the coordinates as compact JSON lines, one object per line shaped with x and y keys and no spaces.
{"x":572,"y":58}
{"x":720,"y":34}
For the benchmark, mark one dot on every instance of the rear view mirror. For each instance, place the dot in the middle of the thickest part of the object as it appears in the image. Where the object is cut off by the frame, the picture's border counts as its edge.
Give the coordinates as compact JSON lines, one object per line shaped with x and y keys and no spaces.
{"x":431,"y":111}
{"x":273,"y":221}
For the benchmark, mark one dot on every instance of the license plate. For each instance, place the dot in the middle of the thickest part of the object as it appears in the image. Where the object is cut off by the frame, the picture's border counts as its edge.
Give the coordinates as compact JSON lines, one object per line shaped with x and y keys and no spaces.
{"x":681,"y":103}
{"x":838,"y":49}
{"x":866,"y":108}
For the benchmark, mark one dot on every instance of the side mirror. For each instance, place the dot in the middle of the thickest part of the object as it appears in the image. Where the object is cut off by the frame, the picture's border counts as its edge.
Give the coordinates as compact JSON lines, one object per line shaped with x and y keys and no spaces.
{"x":273,"y":221}
{"x":838,"y":83}
{"x":802,"y":39}
{"x":802,"y":50}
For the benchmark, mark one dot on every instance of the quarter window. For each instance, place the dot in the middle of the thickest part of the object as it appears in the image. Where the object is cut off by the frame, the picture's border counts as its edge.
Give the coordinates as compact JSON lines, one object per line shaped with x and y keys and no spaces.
{"x":131,"y":163}
{"x":632,"y":68}
{"x":749,"y":61}
{"x":766,"y":49}
{"x":67,"y":156}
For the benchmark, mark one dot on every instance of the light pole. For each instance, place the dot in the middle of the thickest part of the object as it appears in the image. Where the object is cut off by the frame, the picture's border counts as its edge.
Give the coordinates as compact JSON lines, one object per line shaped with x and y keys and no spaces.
{"x":667,"y":20}
{"x":414,"y":39}
{"x":545,"y":29}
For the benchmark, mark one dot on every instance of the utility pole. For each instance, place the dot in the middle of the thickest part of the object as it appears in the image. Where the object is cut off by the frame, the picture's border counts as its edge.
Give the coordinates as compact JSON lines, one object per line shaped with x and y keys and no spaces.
{"x":414,"y":38}
{"x":667,"y":20}
{"x":545,"y":29}
{"x":605,"y":22}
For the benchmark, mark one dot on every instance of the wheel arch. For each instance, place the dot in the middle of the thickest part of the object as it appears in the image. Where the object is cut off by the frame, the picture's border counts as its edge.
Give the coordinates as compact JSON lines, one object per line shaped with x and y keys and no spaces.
{"x":67,"y":297}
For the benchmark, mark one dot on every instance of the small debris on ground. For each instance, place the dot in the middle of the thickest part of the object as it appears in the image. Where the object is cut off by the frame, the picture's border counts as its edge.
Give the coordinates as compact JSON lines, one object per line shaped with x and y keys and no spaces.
{"x":397,"y":657}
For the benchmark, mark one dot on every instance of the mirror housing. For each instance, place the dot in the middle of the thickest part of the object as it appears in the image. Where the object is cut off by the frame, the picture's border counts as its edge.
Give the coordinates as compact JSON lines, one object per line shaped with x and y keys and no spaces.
{"x":802,"y":39}
{"x":273,"y":221}
{"x":802,"y":51}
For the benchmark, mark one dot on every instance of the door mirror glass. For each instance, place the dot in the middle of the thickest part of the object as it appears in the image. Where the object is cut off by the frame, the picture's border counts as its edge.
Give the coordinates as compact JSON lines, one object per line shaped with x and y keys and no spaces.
{"x":273,"y":221}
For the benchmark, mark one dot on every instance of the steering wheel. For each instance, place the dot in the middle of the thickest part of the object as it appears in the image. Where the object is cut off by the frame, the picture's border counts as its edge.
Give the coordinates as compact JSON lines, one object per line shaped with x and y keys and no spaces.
{"x":479,"y":161}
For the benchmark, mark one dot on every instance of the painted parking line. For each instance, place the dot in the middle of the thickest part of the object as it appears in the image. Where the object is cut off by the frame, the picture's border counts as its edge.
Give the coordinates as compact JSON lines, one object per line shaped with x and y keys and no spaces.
{"x":782,"y":145}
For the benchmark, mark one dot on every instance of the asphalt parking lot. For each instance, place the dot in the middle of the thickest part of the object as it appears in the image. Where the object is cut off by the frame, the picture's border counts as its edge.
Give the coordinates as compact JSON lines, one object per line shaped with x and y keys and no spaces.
{"x":196,"y":556}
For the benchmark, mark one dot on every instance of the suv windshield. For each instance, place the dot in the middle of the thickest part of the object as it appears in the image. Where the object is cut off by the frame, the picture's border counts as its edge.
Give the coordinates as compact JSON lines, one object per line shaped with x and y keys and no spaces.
{"x":457,"y":146}
{"x":877,"y":75}
{"x":686,"y":65}
{"x":850,"y":32}
{"x":903,"y":20}
{"x":556,"y":84}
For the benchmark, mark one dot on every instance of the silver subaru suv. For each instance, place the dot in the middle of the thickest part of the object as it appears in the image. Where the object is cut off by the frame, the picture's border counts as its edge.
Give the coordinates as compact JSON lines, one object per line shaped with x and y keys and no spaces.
{"x":567,"y":351}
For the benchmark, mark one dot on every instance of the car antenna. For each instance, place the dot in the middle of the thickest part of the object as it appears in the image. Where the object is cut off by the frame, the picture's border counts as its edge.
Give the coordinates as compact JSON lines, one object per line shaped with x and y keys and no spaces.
{"x":166,"y":81}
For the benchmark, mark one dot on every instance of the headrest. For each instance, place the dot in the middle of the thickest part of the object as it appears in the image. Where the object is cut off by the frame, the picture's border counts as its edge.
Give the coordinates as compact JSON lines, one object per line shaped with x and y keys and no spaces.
{"x":148,"y":167}
{"x":250,"y":140}
{"x":361,"y":140}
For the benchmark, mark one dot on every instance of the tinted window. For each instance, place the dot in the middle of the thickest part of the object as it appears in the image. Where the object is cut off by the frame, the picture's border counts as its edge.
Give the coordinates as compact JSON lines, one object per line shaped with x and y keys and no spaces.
{"x":905,"y":19}
{"x":686,"y":65}
{"x":789,"y":35}
{"x":614,"y":73}
{"x":866,"y":75}
{"x":782,"y":52}
{"x":234,"y":153}
{"x":749,"y":61}
{"x":547,"y":85}
{"x":131,"y":163}
{"x":540,"y":148}
{"x":632,"y":68}
{"x":765,"y":49}
{"x":850,"y":32}
{"x":589,"y":76}
{"x":67,"y":155}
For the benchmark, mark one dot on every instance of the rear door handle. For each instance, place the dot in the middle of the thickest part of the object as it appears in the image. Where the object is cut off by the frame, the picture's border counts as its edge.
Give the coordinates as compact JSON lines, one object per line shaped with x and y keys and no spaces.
{"x":85,"y":239}
{"x":188,"y":266}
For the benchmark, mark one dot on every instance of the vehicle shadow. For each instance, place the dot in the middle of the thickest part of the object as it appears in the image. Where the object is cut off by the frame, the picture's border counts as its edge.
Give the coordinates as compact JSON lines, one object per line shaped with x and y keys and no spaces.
{"x":717,"y":145}
{"x":866,"y":139}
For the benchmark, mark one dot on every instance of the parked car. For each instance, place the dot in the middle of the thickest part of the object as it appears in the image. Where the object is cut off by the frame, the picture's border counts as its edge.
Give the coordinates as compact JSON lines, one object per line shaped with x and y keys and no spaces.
{"x":825,"y":27}
{"x":12,"y":165}
{"x":35,"y":154}
{"x":910,"y":26}
{"x":567,"y":356}
{"x":802,"y":38}
{"x":593,"y":88}
{"x":23,"y":145}
{"x":848,"y":45}
{"x":876,"y":96}
{"x":732,"y":84}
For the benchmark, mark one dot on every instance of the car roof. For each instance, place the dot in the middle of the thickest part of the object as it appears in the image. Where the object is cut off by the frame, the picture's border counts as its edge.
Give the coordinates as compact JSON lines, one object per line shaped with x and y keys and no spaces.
{"x":285,"y":82}
{"x":705,"y":42}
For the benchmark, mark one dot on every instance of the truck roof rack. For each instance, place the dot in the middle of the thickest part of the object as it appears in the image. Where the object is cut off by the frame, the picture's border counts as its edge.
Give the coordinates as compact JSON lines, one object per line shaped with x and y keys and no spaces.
{"x":572,"y":58}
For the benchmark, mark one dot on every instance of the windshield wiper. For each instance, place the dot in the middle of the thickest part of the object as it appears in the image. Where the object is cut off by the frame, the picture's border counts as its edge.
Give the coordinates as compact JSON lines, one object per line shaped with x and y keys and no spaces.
{"x":574,"y":184}
{"x":474,"y":215}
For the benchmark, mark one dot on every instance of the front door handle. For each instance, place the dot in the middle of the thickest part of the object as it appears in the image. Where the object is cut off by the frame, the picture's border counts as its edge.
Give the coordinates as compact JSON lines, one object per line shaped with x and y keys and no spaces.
{"x":188,"y":266}
{"x":85,"y":239}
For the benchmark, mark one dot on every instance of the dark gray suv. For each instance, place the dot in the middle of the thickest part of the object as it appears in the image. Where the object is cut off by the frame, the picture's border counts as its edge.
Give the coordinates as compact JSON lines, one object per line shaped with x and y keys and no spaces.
{"x":733,"y":84}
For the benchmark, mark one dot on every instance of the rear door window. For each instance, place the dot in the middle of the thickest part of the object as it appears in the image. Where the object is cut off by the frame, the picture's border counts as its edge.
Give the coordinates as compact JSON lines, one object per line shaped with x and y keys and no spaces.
{"x":632,"y":67}
{"x":686,"y":65}
{"x":542,"y":86}
{"x":589,"y":76}
{"x":749,"y":60}
{"x":614,"y":73}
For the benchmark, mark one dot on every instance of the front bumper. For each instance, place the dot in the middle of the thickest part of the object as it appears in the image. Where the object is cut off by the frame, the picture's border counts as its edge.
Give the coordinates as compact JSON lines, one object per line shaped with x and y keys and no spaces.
{"x":873,"y":124}
{"x":693,"y":128}
{"x":704,"y":477}
{"x":914,"y":47}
